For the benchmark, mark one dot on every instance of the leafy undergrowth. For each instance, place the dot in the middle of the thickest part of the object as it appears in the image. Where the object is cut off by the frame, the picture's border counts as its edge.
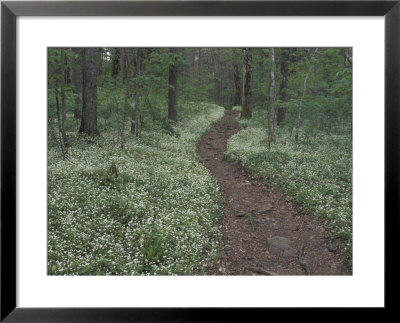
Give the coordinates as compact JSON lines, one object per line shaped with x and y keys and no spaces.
{"x":148,"y":209}
{"x":316,"y":173}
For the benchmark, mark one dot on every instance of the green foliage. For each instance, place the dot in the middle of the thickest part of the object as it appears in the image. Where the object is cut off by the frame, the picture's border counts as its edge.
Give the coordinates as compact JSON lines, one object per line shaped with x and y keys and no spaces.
{"x":168,"y":127}
{"x":327,"y":105}
{"x":193,"y":92}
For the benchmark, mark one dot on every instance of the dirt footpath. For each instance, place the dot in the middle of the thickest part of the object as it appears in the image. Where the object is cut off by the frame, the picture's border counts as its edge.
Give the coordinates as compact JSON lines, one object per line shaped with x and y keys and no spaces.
{"x":264,"y":233}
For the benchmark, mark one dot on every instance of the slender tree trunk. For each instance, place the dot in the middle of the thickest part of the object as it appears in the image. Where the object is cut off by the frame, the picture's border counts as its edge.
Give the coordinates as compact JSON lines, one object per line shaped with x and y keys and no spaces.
{"x":216,"y":76}
{"x":126,"y":98}
{"x":199,"y":66}
{"x":89,"y":108}
{"x":247,"y":80}
{"x":194,"y":60}
{"x":59,"y":121}
{"x":238,"y":88}
{"x":283,"y":85}
{"x":172,"y":89}
{"x":76,"y":81}
{"x":115,"y":63}
{"x":299,"y":117}
{"x":135,"y":123}
{"x":121,"y":64}
{"x":195,"y":63}
{"x":124,"y":113}
{"x":271,"y":101}
{"x":63,"y":108}
{"x":220,"y":83}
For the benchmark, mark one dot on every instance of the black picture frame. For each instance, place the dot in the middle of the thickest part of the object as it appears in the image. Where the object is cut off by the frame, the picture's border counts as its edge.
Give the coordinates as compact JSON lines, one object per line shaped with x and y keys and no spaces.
{"x":11,"y":10}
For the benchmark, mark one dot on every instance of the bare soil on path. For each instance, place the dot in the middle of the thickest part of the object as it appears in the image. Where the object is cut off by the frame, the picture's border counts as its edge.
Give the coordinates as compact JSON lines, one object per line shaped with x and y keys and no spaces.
{"x":264,"y":232}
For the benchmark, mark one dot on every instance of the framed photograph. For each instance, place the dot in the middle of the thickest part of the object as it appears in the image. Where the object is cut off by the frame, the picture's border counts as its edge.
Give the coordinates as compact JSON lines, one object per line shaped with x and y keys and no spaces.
{"x":197,"y":160}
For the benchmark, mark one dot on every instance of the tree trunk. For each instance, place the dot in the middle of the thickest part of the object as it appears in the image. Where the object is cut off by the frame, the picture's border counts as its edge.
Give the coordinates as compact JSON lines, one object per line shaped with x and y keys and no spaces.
{"x":135,"y":121}
{"x":216,"y":77}
{"x":247,"y":80}
{"x":299,"y":117}
{"x":63,"y":108}
{"x":126,"y":98}
{"x":76,"y":81}
{"x":199,"y":66}
{"x":59,"y":120}
{"x":271,"y":101}
{"x":89,"y":95}
{"x":121,"y":64}
{"x":115,"y":63}
{"x":238,"y":88}
{"x":349,"y":55}
{"x":99,"y":61}
{"x":220,"y":83}
{"x":283,"y":85}
{"x":172,"y":89}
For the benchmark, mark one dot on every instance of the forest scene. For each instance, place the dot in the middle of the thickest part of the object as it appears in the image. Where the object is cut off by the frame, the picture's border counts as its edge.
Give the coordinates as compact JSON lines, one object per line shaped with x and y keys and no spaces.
{"x":199,"y":161}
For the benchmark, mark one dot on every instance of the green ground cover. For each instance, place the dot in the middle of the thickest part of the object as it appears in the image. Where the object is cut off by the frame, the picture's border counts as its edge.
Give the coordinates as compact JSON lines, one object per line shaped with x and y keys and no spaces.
{"x":315,"y":171}
{"x":148,"y":209}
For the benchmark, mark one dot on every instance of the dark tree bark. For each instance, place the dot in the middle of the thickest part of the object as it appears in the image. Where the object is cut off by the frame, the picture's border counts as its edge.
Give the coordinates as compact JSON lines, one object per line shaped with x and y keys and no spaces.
{"x":238,"y":88}
{"x":215,"y":57}
{"x":284,"y":84}
{"x":121,"y":64}
{"x":115,"y":63}
{"x":59,"y":120}
{"x":172,"y":89}
{"x":76,"y":82}
{"x":99,"y":61}
{"x":135,"y":121}
{"x":247,"y":80}
{"x":126,"y":98}
{"x":220,"y":81}
{"x":89,"y":93}
{"x":63,"y":107}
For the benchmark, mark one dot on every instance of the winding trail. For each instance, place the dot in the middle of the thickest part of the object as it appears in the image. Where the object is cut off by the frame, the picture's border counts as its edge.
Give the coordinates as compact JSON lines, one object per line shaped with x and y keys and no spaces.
{"x":255,"y":212}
